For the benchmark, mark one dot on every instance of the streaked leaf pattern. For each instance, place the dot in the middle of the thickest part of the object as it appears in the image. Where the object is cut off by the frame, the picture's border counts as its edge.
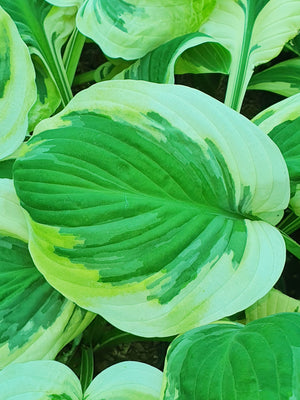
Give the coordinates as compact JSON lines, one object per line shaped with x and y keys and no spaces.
{"x":130,"y":29}
{"x":51,"y":380}
{"x":36,"y":320}
{"x":159,"y":65}
{"x":230,"y":361}
{"x":137,"y":214}
{"x":274,"y":302}
{"x":283,"y":78}
{"x":17,"y":87}
{"x":254,"y":31}
{"x":281,"y":122}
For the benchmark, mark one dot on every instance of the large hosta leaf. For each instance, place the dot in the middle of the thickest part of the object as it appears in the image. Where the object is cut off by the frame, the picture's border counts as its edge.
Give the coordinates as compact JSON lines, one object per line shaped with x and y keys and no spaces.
{"x":45,"y":29}
{"x":159,"y":65}
{"x":17,"y":87}
{"x":281,"y":122}
{"x":145,"y":203}
{"x":43,"y":380}
{"x":36,"y":320}
{"x":259,"y":361}
{"x":254,"y":31}
{"x":130,"y":29}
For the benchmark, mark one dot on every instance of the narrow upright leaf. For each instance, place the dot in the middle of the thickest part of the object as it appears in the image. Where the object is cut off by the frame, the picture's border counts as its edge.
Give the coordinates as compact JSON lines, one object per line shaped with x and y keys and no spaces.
{"x":17,"y":87}
{"x":148,"y":204}
{"x":254,"y":31}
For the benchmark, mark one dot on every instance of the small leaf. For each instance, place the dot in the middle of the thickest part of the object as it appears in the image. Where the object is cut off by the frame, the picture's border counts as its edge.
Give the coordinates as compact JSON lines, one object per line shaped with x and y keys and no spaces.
{"x":254,"y":31}
{"x":273,"y":302}
{"x":231,"y":361}
{"x":281,"y":122}
{"x":148,"y":204}
{"x":282,"y":78}
{"x":17,"y":87}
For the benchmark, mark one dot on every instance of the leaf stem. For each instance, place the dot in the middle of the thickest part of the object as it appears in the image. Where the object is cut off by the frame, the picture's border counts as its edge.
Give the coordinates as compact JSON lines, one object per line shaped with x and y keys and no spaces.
{"x":72,"y":54}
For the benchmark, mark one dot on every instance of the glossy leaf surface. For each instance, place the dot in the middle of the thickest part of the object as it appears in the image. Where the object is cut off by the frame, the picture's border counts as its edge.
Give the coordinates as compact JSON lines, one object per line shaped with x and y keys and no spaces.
{"x":147,"y":204}
{"x":254,"y":31}
{"x":17,"y":87}
{"x":259,"y":361}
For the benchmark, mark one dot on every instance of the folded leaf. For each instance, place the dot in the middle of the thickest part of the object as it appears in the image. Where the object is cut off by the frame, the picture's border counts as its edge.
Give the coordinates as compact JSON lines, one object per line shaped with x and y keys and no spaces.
{"x":36,"y":320}
{"x":281,"y":122}
{"x":146,"y":205}
{"x":273,"y":302}
{"x":129,"y":29}
{"x":41,"y":380}
{"x":45,"y":29}
{"x":231,"y":361}
{"x":254,"y":31}
{"x":159,"y":65}
{"x":282,"y":78}
{"x":17,"y":87}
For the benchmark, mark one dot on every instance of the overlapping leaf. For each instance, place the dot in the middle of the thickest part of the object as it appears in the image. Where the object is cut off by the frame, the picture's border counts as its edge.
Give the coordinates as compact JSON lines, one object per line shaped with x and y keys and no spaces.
{"x":282,"y":78}
{"x":159,"y":65}
{"x":281,"y":122}
{"x":254,"y":31}
{"x":44,"y":29}
{"x":17,"y":87}
{"x":51,"y":380}
{"x":130,"y":29}
{"x":36,"y":320}
{"x":230,"y":361}
{"x":144,"y":204}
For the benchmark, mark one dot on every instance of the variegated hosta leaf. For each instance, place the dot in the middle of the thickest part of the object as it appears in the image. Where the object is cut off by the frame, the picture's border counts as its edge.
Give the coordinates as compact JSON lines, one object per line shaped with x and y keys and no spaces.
{"x":254,"y":31}
{"x":281,"y":122}
{"x":39,"y":380}
{"x":45,"y":29}
{"x":282,"y":78}
{"x":144,"y":204}
{"x":36,"y":321}
{"x":127,"y":380}
{"x":43,"y":380}
{"x":158,"y":65}
{"x":65,"y":3}
{"x":231,"y":361}
{"x":273,"y":302}
{"x":130,"y":29}
{"x":17,"y":87}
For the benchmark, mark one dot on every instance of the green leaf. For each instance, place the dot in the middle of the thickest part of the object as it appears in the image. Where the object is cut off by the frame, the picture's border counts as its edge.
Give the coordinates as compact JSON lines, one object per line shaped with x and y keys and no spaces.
{"x":39,"y":380}
{"x":147,"y":204}
{"x":291,"y":245}
{"x":45,"y":29}
{"x":51,"y":380}
{"x":282,"y":78}
{"x":17,"y":87}
{"x":254,"y":31}
{"x":259,"y":361}
{"x":129,"y":30}
{"x":159,"y":65}
{"x":36,"y":320}
{"x":127,"y":380}
{"x":273,"y":302}
{"x":281,"y":122}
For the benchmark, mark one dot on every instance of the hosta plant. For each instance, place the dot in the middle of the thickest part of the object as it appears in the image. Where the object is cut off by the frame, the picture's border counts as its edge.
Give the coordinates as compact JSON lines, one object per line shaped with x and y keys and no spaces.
{"x":148,"y":203}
